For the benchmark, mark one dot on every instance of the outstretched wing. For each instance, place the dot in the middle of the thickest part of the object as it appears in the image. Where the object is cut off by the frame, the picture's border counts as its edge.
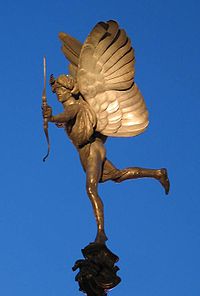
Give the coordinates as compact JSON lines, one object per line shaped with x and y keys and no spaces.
{"x":105,"y":78}
{"x":71,"y":48}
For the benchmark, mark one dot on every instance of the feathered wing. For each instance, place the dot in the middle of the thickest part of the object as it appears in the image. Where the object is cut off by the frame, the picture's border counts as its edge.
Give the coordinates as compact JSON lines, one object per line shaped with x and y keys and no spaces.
{"x":105,"y":79}
{"x":71,"y":48}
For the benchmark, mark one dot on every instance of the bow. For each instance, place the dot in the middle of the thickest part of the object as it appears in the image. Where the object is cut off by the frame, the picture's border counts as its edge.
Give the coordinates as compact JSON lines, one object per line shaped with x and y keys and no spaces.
{"x":45,"y":106}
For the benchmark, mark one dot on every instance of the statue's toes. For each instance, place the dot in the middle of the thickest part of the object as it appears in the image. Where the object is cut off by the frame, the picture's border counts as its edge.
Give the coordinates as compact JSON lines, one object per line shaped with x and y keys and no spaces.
{"x":164,"y":180}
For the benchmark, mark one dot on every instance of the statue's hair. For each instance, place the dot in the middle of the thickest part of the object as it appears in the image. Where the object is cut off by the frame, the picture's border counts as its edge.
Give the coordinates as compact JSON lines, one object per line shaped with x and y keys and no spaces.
{"x":66,"y":81}
{"x":52,"y":80}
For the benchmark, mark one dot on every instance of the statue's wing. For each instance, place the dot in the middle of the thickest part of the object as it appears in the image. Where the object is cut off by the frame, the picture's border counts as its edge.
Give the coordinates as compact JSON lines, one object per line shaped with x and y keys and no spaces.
{"x":71,"y":48}
{"x":105,"y":79}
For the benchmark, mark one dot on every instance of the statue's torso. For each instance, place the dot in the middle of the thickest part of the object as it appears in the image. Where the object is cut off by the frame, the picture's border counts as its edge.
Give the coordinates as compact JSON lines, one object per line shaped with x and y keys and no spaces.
{"x":81,"y":128}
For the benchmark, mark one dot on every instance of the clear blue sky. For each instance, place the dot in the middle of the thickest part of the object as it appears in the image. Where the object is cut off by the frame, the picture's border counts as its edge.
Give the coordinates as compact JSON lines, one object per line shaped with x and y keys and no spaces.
{"x":45,"y":215}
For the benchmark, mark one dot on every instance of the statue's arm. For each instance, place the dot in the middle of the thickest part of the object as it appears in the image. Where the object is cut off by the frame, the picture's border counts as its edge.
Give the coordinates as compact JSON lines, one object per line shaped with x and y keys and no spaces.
{"x":65,"y":116}
{"x":61,"y":117}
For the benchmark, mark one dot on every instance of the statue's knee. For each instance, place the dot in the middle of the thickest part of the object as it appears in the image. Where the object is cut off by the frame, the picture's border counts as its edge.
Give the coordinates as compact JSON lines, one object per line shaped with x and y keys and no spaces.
{"x":91,"y":187}
{"x":118,"y":175}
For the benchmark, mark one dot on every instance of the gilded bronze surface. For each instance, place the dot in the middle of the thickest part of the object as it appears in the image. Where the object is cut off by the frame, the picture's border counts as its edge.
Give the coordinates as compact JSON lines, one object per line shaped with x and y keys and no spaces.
{"x":100,"y":99}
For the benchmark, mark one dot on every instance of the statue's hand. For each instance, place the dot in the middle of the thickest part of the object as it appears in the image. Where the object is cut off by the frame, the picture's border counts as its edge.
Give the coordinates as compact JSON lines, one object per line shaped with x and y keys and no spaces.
{"x":60,"y":125}
{"x":47,"y":112}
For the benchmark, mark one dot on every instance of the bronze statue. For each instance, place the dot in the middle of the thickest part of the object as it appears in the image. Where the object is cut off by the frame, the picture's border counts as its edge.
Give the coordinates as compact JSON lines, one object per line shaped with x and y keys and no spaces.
{"x":101,"y":99}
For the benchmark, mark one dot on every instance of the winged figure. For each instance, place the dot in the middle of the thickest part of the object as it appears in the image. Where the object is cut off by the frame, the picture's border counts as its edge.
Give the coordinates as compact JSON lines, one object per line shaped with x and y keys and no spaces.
{"x":100,"y":99}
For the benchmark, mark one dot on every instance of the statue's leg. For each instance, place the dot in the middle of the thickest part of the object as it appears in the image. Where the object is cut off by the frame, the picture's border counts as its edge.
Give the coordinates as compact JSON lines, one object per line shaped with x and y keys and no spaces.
{"x":110,"y":172}
{"x":93,"y":169}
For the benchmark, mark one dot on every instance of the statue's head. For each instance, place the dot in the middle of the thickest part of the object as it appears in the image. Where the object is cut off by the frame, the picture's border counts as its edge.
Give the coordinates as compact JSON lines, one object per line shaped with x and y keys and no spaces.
{"x":62,"y":86}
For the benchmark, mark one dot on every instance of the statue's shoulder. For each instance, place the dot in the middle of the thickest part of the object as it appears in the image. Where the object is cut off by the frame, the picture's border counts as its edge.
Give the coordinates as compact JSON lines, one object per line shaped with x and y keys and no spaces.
{"x":84,"y":125}
{"x":87,"y":110}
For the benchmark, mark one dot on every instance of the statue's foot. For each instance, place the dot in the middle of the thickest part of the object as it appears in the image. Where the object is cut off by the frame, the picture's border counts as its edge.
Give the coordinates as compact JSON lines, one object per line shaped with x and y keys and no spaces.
{"x":101,"y":237}
{"x":164,"y":180}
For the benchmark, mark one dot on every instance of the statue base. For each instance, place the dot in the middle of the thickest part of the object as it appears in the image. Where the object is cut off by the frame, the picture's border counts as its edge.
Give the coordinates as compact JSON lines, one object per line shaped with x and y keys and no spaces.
{"x":97,"y":272}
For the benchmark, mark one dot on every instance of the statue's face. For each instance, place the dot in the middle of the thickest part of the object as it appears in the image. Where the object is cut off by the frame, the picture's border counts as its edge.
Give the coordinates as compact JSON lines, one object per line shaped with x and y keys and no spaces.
{"x":62,"y":86}
{"x":62,"y":92}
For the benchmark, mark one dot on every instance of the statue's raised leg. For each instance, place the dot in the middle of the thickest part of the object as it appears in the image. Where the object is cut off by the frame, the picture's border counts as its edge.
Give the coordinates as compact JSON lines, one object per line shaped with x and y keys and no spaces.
{"x":110,"y":172}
